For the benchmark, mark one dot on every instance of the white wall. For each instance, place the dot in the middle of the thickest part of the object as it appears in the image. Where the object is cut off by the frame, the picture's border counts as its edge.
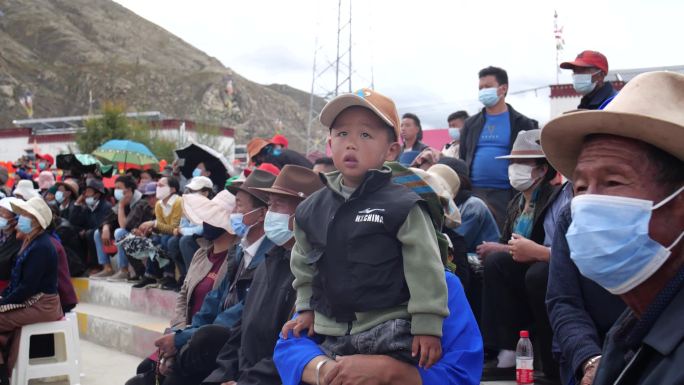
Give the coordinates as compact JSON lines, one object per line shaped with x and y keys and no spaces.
{"x":563,"y":104}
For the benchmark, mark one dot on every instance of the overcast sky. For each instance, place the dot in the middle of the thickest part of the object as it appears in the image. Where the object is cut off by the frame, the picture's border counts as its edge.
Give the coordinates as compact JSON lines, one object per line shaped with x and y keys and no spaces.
{"x":424,"y":54}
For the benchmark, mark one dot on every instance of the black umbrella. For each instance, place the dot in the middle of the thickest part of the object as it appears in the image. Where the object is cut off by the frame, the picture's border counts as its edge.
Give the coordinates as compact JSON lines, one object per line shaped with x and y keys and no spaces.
{"x":82,"y":163}
{"x":213,"y":160}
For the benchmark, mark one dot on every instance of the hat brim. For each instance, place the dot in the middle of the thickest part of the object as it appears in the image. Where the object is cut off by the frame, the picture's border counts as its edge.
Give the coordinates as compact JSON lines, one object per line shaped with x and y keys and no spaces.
{"x":341,"y":103}
{"x":521,"y":157}
{"x":21,"y":207}
{"x":255,"y":192}
{"x":278,"y":191}
{"x":67,"y":187}
{"x":195,"y":205}
{"x":562,"y":138}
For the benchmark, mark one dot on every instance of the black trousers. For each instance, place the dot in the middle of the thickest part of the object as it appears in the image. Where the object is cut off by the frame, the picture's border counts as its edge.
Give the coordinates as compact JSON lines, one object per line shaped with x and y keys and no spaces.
{"x":197,"y":359}
{"x":513,"y":300}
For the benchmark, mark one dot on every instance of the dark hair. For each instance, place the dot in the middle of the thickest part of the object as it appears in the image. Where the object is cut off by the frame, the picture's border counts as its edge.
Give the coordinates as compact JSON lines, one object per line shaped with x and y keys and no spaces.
{"x":173,"y":183}
{"x":415,"y":119}
{"x":325,"y":161}
{"x":550,"y":171}
{"x":498,"y":73}
{"x":458,"y":115}
{"x":127,"y":181}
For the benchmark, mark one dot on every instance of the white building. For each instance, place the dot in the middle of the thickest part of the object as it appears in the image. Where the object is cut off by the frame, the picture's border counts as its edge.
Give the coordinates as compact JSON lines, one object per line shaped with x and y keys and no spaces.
{"x":563,"y":97}
{"x":56,"y":136}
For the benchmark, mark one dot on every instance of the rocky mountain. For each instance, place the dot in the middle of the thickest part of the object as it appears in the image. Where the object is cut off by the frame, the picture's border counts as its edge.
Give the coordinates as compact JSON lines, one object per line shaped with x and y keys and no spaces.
{"x":69,"y":53}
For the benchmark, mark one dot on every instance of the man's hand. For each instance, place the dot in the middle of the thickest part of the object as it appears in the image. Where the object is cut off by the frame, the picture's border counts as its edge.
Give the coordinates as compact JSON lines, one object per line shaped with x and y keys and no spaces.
{"x":127,"y":198}
{"x":81,"y":199}
{"x":524,"y":250}
{"x":106,"y":235}
{"x":487,"y":248}
{"x":429,"y":348}
{"x":166,"y":345}
{"x":590,"y":372}
{"x":176,"y":232}
{"x":426,"y":159}
{"x":229,"y":383}
{"x":146,"y":227}
{"x":362,"y":369}
{"x":303,"y":321}
{"x":166,"y":366}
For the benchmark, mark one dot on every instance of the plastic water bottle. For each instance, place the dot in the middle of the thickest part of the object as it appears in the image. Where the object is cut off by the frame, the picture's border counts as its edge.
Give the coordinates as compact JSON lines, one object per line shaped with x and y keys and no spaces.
{"x":524,"y":360}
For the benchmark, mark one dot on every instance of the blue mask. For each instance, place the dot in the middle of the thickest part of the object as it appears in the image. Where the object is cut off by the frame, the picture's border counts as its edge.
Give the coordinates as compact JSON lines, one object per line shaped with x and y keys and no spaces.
{"x":59,"y":196}
{"x":488,"y":97}
{"x":42,"y":165}
{"x":582,"y":83}
{"x":196,"y":172}
{"x":454,"y":133}
{"x":24,"y":224}
{"x":277,"y":151}
{"x":609,"y":241}
{"x":4,"y":223}
{"x":238,"y":226}
{"x":277,"y":227}
{"x":237,"y":222}
{"x":118,"y":194}
{"x":90,"y":201}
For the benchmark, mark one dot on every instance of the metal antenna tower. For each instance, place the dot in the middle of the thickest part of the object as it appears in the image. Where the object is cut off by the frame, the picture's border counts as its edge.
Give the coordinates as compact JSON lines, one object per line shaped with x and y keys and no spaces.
{"x":331,"y":76}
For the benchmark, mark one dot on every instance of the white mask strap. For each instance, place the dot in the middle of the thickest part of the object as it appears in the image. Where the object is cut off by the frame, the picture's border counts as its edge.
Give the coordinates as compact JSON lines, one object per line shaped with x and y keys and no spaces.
{"x":669,"y":198}
{"x":676,"y":241}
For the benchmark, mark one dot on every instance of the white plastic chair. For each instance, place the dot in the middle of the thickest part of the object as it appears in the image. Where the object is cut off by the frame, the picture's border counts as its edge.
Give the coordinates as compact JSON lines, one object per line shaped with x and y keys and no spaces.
{"x":66,"y":360}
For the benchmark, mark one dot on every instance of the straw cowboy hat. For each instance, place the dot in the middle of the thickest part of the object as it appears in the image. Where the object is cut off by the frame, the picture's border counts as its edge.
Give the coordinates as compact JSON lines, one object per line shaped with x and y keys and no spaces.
{"x":70,"y":185}
{"x":37,"y":208}
{"x":650,"y":108}
{"x":526,"y":146}
{"x":295,"y":181}
{"x":216,"y":212}
{"x":25,"y":189}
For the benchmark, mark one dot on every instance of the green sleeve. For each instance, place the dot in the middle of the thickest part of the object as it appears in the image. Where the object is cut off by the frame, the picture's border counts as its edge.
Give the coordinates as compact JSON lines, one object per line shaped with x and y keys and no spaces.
{"x":424,"y":274}
{"x":302,"y":271}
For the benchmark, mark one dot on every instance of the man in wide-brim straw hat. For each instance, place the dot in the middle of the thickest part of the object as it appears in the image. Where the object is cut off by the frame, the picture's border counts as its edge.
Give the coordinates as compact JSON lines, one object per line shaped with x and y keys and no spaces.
{"x":627,"y":166}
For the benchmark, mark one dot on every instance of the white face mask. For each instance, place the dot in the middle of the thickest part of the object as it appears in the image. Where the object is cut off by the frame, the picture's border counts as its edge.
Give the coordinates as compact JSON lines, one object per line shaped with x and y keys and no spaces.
{"x":163,"y":192}
{"x":520,"y":176}
{"x":582,"y":83}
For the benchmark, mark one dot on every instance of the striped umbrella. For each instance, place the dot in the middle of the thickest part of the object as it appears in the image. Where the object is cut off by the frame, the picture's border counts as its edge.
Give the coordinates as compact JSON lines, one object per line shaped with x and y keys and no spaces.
{"x":126,"y":152}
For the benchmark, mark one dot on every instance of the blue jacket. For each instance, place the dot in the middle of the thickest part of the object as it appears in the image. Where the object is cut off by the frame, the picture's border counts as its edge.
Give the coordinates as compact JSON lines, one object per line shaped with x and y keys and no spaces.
{"x":462,"y":353}
{"x":214,"y":310}
{"x":477,"y":224}
{"x":35,"y":271}
{"x":580,"y":311}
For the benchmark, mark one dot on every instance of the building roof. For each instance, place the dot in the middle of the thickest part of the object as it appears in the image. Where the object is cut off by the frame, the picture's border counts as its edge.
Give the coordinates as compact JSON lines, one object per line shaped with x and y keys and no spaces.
{"x":618,"y":77}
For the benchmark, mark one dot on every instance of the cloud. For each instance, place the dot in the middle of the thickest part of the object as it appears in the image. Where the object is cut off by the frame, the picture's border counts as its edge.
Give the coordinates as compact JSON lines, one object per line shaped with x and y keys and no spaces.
{"x":425,"y":54}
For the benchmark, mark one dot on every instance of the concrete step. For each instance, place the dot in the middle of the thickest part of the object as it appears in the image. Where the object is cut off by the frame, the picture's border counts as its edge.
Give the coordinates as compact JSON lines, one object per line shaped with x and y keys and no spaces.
{"x":121,"y":295}
{"x":122,"y":330}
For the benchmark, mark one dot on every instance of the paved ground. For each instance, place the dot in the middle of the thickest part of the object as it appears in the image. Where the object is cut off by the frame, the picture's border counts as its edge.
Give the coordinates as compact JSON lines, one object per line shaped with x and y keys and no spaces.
{"x":102,"y":366}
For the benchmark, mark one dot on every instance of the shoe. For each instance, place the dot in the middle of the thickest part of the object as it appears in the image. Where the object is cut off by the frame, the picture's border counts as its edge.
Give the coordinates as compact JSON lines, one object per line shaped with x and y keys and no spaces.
{"x":146,"y":281}
{"x":168,"y":283}
{"x":104,"y":274}
{"x":121,"y":276}
{"x":498,"y":374}
{"x":133,"y":279}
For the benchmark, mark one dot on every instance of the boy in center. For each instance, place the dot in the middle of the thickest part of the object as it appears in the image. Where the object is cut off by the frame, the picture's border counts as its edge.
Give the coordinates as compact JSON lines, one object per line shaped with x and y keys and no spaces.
{"x":367,"y":267}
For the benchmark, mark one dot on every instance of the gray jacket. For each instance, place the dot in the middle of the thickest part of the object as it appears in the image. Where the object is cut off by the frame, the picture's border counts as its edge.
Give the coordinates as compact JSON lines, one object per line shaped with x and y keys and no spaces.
{"x":198,"y":270}
{"x":659,"y":356}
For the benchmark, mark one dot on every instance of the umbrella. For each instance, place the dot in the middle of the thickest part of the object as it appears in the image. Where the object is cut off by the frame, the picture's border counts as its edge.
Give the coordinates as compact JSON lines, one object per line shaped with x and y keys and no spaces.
{"x":127,"y":152}
{"x":82,"y":163}
{"x":214,"y":161}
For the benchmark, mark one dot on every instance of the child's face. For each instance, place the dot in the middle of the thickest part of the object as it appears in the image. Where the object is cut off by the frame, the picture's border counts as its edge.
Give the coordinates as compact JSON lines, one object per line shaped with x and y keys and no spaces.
{"x":360,"y":141}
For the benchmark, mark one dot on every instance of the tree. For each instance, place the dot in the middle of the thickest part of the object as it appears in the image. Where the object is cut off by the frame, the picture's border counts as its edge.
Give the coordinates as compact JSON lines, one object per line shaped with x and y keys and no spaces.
{"x":113,"y":124}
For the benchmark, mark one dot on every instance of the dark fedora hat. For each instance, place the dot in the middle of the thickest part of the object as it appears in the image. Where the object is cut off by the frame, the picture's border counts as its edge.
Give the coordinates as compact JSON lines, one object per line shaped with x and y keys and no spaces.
{"x":296,"y":181}
{"x":258,"y":179}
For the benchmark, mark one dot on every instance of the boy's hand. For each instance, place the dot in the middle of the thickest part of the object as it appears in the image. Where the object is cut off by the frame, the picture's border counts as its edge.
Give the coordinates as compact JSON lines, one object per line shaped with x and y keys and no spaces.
{"x":429,"y":348}
{"x":304,"y":320}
